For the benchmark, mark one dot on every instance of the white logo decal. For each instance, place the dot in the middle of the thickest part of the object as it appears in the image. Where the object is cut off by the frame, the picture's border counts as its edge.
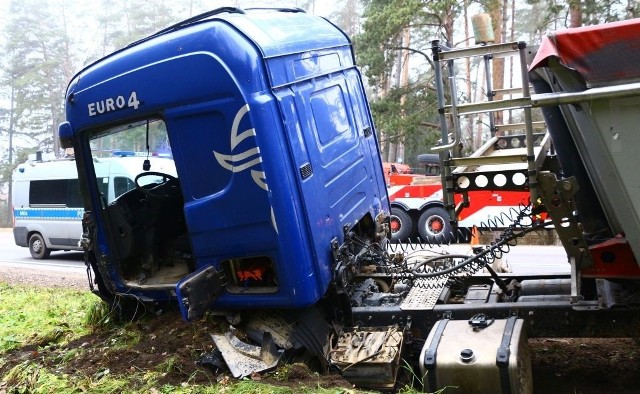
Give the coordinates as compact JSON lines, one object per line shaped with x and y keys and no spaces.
{"x":245,"y":160}
{"x":237,"y":162}
{"x":113,"y":104}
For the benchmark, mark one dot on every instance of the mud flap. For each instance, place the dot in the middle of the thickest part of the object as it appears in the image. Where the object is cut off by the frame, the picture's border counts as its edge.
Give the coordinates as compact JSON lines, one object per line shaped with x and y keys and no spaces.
{"x":198,"y":291}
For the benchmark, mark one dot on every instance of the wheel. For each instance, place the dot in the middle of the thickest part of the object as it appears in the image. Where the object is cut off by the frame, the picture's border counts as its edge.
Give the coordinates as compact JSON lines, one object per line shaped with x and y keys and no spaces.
{"x":434,"y":226}
{"x":166,"y":189}
{"x":37,"y":247}
{"x":401,"y":225}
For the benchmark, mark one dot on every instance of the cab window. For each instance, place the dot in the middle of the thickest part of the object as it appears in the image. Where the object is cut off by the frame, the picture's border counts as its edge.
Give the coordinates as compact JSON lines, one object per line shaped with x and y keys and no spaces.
{"x":122,"y":185}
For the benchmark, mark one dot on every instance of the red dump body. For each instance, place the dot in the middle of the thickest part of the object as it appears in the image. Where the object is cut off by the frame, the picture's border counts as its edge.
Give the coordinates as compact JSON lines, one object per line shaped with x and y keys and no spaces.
{"x":600,"y":54}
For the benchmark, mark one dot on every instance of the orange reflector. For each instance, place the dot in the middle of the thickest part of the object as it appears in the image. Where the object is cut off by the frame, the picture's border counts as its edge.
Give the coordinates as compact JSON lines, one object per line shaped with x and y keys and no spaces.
{"x":253,"y":274}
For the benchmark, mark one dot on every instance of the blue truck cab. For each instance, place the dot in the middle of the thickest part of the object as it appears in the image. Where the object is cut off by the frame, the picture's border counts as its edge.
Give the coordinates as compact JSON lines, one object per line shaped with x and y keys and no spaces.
{"x":265,"y":117}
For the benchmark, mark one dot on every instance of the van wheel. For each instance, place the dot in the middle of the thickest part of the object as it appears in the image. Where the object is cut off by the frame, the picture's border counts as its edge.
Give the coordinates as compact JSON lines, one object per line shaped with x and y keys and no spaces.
{"x":434,"y":226}
{"x":401,"y":225}
{"x":37,"y":247}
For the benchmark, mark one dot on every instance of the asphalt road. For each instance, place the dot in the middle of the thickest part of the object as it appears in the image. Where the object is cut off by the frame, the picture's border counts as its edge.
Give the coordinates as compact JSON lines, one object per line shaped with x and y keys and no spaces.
{"x":62,"y":269}
{"x":10,"y":253}
{"x":69,"y":267}
{"x":527,"y":259}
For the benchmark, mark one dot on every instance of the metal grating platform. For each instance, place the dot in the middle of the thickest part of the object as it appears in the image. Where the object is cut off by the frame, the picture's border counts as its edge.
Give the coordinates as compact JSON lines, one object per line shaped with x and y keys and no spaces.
{"x":422,"y":298}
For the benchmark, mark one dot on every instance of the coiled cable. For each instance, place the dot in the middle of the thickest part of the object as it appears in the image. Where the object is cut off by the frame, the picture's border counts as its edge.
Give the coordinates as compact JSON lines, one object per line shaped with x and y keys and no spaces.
{"x":446,"y":266}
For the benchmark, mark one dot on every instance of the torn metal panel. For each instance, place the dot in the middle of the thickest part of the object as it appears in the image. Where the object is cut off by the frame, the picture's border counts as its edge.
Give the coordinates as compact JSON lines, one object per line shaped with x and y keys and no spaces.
{"x":242,"y":358}
{"x":280,"y":327}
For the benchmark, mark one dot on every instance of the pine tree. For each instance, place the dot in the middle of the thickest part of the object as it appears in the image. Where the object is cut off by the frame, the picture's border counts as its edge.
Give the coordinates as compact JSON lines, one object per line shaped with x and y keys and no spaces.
{"x":404,"y":112}
{"x":34,"y":73}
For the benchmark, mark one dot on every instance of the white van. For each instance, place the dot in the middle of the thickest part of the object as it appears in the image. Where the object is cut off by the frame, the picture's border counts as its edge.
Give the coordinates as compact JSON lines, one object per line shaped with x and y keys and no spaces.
{"x":47,"y":206}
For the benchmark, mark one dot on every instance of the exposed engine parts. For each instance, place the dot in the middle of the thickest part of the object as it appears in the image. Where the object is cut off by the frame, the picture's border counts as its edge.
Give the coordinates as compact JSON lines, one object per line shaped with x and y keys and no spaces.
{"x":377,"y":275}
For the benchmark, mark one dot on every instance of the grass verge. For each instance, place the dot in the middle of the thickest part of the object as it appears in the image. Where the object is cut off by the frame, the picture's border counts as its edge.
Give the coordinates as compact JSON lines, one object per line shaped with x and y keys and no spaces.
{"x":66,"y":341}
{"x":40,"y":316}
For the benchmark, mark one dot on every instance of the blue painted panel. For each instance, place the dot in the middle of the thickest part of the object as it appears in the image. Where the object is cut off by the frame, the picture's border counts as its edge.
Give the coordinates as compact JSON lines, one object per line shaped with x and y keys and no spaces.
{"x":248,"y":101}
{"x":282,"y":33}
{"x":244,"y":212}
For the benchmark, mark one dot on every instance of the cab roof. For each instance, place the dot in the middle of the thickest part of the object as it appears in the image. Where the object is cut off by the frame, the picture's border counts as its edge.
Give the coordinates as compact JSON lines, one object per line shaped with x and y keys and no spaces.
{"x":274,"y":31}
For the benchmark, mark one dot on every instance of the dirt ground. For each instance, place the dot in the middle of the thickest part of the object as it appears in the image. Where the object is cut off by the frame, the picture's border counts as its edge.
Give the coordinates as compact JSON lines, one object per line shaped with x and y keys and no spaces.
{"x":558,"y":365}
{"x":164,"y":343}
{"x":569,"y":365}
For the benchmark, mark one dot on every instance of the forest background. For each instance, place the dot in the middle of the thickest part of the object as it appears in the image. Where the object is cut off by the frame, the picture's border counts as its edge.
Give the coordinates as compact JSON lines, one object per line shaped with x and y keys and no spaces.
{"x":45,"y":42}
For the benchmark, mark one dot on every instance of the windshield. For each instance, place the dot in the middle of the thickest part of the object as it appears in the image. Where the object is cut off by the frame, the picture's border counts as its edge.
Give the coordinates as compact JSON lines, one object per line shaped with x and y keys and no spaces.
{"x":123,"y":152}
{"x":146,"y":137}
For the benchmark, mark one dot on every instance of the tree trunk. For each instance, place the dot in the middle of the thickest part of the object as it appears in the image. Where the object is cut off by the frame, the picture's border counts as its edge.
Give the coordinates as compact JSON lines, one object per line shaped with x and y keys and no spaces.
{"x":394,"y":139}
{"x":404,"y":81}
{"x":632,"y":9}
{"x":497,"y":79}
{"x":468,"y":76}
{"x":512,"y":38}
{"x":385,"y":143}
{"x":447,"y":24}
{"x":479,"y":125}
{"x":575,"y":13}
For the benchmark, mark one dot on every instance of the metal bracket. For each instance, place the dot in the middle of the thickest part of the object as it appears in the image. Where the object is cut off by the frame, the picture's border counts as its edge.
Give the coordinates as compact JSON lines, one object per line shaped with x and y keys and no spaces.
{"x":576,"y":297}
{"x":557,"y":197}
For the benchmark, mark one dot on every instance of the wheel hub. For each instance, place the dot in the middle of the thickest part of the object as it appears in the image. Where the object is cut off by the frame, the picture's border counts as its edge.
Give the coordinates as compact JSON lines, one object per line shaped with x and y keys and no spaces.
{"x":435,"y":225}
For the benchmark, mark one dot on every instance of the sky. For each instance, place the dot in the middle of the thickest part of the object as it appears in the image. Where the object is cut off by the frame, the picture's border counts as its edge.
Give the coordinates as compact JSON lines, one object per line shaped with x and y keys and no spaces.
{"x":322,"y":7}
{"x":87,"y":28}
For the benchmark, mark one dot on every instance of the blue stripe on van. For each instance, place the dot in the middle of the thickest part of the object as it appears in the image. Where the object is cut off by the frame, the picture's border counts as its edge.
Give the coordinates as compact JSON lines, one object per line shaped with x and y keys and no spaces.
{"x":48,"y":213}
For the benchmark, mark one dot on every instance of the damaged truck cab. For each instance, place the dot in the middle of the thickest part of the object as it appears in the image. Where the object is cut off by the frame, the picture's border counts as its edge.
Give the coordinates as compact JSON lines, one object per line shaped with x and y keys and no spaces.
{"x":265,"y":117}
{"x":278,"y":199}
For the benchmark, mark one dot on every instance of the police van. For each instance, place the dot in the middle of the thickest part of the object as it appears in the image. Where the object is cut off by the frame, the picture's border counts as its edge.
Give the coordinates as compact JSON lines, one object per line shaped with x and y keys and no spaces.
{"x":47,"y":205}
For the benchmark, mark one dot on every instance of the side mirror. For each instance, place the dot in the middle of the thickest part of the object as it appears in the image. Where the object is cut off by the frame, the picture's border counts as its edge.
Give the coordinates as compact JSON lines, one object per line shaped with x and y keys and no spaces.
{"x":65,"y":134}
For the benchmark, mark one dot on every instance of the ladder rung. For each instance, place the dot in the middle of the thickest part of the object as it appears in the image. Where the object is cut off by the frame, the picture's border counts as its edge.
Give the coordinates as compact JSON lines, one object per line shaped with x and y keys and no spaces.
{"x":496,"y":50}
{"x":519,"y":126}
{"x":516,"y":90}
{"x":489,"y":106}
{"x":487,"y":160}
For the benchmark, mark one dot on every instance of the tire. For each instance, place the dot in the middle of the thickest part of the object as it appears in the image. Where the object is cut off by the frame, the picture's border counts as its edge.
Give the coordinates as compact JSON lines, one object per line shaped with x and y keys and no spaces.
{"x":434,"y":226}
{"x":38,"y":247}
{"x":401,"y":225}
